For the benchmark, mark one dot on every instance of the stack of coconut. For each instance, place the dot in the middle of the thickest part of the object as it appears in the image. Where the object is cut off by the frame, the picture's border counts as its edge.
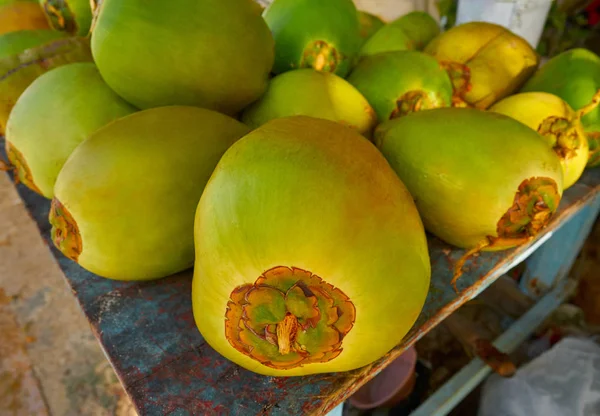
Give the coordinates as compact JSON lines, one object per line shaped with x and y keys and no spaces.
{"x":294,"y":156}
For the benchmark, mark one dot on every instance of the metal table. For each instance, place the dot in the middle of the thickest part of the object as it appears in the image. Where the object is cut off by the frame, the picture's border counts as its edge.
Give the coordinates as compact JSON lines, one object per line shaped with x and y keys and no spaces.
{"x":148,"y":333}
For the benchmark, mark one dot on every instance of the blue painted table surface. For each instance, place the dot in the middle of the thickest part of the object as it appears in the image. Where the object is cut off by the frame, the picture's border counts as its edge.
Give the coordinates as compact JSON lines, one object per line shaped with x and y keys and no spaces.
{"x":148,"y":332}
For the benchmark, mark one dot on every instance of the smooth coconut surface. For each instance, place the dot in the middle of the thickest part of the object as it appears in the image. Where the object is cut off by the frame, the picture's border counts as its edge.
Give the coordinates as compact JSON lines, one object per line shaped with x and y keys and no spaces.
{"x":215,"y":54}
{"x":592,"y":133}
{"x":556,"y":121}
{"x":19,"y":71}
{"x":41,"y":135}
{"x":400,"y":82}
{"x":420,"y":27}
{"x":476,"y":176}
{"x":312,"y":93}
{"x":409,"y":32}
{"x":574,"y":76}
{"x":310,"y":254}
{"x":141,"y":176}
{"x":369,"y":24}
{"x":16,"y":42}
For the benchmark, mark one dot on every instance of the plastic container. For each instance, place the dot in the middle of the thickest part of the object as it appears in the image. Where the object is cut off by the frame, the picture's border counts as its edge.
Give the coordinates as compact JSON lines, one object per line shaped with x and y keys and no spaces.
{"x":388,"y":10}
{"x":392,"y":385}
{"x":526,"y":18}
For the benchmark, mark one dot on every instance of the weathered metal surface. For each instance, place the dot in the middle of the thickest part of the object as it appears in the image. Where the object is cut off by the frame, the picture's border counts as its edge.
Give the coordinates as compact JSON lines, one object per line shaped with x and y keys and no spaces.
{"x":148,"y":332}
{"x":554,"y":259}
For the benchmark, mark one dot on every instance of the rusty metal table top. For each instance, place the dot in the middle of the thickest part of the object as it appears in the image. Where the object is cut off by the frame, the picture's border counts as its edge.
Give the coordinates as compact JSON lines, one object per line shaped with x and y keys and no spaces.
{"x":148,"y":332}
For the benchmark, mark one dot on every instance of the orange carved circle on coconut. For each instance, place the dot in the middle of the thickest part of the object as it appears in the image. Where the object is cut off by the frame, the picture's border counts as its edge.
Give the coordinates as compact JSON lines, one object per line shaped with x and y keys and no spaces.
{"x":289,"y":317}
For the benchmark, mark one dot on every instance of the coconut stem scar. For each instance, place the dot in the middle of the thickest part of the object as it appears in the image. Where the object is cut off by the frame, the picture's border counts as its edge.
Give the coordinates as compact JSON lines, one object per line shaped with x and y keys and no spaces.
{"x":286,"y":333}
{"x":56,"y":13}
{"x":488,"y":242}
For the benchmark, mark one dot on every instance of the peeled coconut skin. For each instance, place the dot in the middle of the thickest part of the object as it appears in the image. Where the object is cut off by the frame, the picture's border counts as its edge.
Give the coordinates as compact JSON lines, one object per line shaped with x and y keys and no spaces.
{"x":71,"y":16}
{"x":324,"y":35}
{"x":310,"y":194}
{"x":153,"y":55}
{"x":557,"y":122}
{"x":16,"y":42}
{"x":481,"y":160}
{"x":399,"y":82}
{"x":574,"y":76}
{"x":38,"y":144}
{"x":409,"y":32}
{"x":21,"y":15}
{"x":18,"y":71}
{"x":485,"y":61}
{"x":312,"y":93}
{"x":125,"y":199}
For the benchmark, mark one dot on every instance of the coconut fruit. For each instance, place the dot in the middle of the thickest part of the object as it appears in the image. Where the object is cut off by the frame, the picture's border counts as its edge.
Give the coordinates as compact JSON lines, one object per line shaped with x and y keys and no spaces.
{"x":412,"y":31}
{"x":593,"y":135}
{"x":38,"y":145}
{"x":14,"y":43}
{"x":71,"y":16}
{"x":556,"y":121}
{"x":310,"y":254}
{"x":124,"y":201}
{"x":481,"y":180}
{"x":574,"y":76}
{"x":215,"y":54}
{"x":400,"y":82}
{"x":420,"y":27}
{"x":485,"y":61}
{"x":21,"y":15}
{"x":312,"y":93}
{"x":324,"y":35}
{"x":369,"y":24}
{"x":18,"y":71}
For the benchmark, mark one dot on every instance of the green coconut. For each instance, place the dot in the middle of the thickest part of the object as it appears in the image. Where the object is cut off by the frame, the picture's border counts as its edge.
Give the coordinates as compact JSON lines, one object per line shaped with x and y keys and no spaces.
{"x":71,"y":16}
{"x":480,"y":180}
{"x":556,"y":121}
{"x":215,"y":54}
{"x":310,"y":254}
{"x":369,"y":24}
{"x":324,"y":35}
{"x":40,"y":135}
{"x":124,"y":201}
{"x":420,"y":27}
{"x":574,"y":76}
{"x":14,"y":43}
{"x":18,"y":71}
{"x":593,"y":136}
{"x":400,"y":82}
{"x":312,"y":93}
{"x":412,"y":31}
